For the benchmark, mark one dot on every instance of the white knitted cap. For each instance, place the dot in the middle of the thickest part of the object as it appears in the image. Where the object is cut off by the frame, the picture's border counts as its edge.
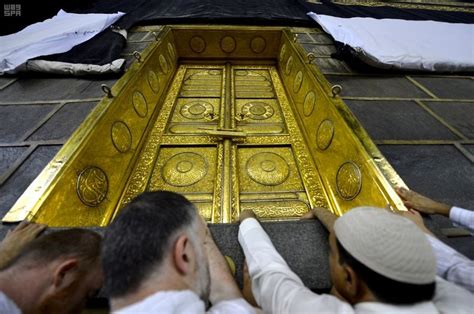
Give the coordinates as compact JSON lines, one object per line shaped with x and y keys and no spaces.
{"x":388,"y":244}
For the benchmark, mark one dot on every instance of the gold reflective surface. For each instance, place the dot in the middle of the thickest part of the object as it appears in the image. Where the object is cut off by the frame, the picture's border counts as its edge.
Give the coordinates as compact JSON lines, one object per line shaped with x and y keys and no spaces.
{"x":234,"y":119}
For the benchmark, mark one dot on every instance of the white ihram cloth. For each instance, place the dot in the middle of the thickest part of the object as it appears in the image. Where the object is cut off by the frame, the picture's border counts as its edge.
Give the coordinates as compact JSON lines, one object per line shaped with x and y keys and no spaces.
{"x":277,"y":289}
{"x":402,"y":44}
{"x":450,"y":264}
{"x":185,"y":302}
{"x":7,"y":306}
{"x":56,"y":35}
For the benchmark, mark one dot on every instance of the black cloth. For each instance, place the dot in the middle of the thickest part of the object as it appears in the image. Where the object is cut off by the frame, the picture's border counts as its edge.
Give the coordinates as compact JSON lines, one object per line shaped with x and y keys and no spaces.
{"x":107,"y":46}
{"x":387,"y":12}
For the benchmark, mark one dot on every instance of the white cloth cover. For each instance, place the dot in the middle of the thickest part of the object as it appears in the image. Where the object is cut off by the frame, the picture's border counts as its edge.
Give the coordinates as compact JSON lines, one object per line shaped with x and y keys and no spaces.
{"x":402,"y":44}
{"x":76,"y":69}
{"x":56,"y":35}
{"x":184,"y":301}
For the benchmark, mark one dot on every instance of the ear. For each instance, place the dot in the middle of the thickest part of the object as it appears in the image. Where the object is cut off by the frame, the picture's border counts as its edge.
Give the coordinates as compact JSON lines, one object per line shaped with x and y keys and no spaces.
{"x":351,"y":282}
{"x":183,"y":255}
{"x":65,"y":273}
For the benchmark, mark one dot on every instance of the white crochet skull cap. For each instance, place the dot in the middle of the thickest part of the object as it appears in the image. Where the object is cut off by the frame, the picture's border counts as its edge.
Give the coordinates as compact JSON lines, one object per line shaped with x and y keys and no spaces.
{"x":387,"y":243}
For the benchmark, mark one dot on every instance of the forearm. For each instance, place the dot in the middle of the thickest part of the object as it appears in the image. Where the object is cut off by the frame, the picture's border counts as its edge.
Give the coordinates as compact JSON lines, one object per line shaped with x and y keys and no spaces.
{"x":272,"y":280}
{"x":325,"y":217}
{"x":223,"y":285}
{"x":5,"y":258}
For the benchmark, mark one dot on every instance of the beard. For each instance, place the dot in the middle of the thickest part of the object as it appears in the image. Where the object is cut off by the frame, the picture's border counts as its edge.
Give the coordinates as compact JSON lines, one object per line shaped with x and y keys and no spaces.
{"x":60,"y":302}
{"x":203,"y":280}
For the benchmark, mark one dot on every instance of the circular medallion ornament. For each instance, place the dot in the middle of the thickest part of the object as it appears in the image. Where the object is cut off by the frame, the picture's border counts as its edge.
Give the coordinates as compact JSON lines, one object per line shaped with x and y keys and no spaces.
{"x":267,"y":169}
{"x":197,"y":44}
{"x":228,"y":44}
{"x":153,"y":81}
{"x":241,"y":72}
{"x":289,"y":65}
{"x":92,"y":186}
{"x":171,"y":51}
{"x":297,"y":82}
{"x":308,"y":104}
{"x":258,"y":110}
{"x":258,"y":44}
{"x":214,"y":72}
{"x":282,"y":52}
{"x":348,"y":180}
{"x":184,"y":169}
{"x":196,"y":110}
{"x":139,"y":104}
{"x":121,"y":136}
{"x":164,"y":64}
{"x":325,"y":134}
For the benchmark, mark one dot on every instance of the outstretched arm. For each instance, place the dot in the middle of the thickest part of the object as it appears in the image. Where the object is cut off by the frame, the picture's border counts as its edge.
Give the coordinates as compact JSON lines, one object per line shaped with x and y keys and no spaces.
{"x":450,"y":264}
{"x":276,"y":288}
{"x":423,"y":204}
{"x":223,"y":285}
{"x":324,"y":216}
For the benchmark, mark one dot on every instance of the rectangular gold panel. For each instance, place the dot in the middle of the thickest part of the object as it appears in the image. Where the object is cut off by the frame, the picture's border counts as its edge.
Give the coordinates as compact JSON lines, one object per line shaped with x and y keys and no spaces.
{"x":253,"y":128}
{"x":190,"y":171}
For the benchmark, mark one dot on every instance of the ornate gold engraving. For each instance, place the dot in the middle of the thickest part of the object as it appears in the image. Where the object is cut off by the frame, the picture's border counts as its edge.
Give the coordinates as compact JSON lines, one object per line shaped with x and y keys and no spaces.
{"x":258,"y":110}
{"x":289,"y":65}
{"x":282,"y":52}
{"x":267,"y":168}
{"x":258,"y":44}
{"x":196,"y":110}
{"x":92,"y":186}
{"x":121,"y":136}
{"x":308,"y":104}
{"x":184,"y":169}
{"x":307,"y":169}
{"x":228,"y":44}
{"x":139,"y":104}
{"x":153,"y":81}
{"x":325,"y":134}
{"x":197,"y":44}
{"x":171,"y":51}
{"x":298,"y":80}
{"x":142,"y":169}
{"x":348,"y":180}
{"x":164,"y":64}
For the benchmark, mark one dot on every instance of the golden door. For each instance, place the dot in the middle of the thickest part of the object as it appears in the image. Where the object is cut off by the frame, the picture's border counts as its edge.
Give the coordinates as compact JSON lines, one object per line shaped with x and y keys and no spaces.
{"x":224,"y":139}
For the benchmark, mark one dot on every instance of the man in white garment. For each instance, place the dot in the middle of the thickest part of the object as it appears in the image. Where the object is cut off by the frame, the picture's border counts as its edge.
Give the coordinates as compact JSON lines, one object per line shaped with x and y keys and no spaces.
{"x":159,"y":257}
{"x":450,"y":264}
{"x":379,"y":262}
{"x":54,"y":273}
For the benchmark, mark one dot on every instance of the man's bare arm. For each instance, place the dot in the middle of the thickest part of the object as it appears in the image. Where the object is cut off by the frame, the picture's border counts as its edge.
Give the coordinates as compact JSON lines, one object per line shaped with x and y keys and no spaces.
{"x":223,"y":285}
{"x":323,"y":215}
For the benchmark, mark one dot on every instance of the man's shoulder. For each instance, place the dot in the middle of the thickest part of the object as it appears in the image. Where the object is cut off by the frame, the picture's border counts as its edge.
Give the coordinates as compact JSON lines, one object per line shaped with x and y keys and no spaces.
{"x":7,"y":305}
{"x":239,"y":306}
{"x":452,"y":298}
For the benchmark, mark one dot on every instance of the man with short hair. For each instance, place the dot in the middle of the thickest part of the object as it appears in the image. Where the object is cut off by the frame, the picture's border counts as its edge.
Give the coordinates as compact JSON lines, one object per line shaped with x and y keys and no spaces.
{"x":54,"y":273}
{"x":379,"y":262}
{"x":159,"y":257}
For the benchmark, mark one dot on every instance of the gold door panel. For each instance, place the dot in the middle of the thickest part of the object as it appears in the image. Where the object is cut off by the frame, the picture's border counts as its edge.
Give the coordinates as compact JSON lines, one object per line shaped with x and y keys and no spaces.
{"x":233,"y":118}
{"x":190,"y":171}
